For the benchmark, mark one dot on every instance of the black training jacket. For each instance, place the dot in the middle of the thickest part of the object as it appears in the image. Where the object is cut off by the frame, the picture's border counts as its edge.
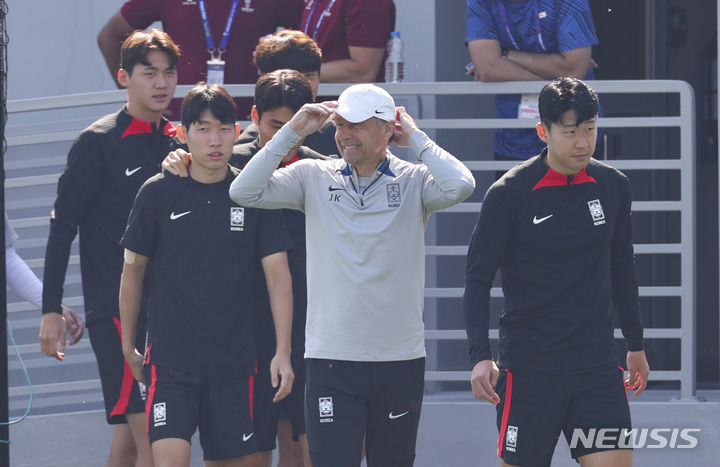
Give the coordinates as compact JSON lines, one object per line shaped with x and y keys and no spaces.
{"x":563,"y":246}
{"x":106,"y":166}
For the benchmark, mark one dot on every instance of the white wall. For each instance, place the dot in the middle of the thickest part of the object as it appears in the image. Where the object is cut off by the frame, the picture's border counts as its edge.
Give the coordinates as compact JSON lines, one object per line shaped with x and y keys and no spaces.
{"x":53,"y":48}
{"x":416,"y":23}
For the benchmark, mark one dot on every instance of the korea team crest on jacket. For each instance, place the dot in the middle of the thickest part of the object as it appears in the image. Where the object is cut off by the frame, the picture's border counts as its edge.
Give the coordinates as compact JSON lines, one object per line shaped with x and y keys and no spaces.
{"x":596,"y":211}
{"x":393,"y":195}
{"x":237,"y":218}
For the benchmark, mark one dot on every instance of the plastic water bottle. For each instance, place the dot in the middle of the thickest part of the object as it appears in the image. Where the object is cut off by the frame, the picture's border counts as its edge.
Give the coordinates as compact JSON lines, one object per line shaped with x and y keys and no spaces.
{"x":394,"y":65}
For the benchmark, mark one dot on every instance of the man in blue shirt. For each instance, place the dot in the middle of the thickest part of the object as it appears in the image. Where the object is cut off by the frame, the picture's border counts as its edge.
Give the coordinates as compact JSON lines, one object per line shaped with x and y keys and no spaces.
{"x":527,"y":40}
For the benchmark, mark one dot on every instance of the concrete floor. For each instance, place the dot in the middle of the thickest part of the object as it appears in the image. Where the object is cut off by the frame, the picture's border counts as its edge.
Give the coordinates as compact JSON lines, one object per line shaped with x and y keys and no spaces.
{"x":455,"y":431}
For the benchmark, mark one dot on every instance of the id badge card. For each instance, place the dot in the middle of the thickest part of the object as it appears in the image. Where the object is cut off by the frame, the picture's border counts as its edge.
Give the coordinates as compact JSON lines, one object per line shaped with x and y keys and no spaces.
{"x":216,"y":71}
{"x":528,"y":107}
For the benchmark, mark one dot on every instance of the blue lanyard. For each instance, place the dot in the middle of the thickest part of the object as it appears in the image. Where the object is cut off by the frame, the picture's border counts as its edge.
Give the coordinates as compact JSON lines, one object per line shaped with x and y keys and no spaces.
{"x":536,"y":17}
{"x":208,"y":33}
{"x":320,"y":19}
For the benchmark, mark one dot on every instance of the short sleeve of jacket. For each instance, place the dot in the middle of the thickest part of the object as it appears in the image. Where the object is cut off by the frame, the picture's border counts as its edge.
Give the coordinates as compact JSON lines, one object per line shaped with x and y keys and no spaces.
{"x":141,"y":13}
{"x":575,"y":25}
{"x":480,"y":23}
{"x":273,"y":233}
{"x":368,"y":23}
{"x":142,"y":229}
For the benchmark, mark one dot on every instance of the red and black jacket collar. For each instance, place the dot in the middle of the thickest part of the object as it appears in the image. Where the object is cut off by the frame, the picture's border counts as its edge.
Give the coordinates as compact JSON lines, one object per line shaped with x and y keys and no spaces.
{"x":553,"y":178}
{"x":136,"y":126}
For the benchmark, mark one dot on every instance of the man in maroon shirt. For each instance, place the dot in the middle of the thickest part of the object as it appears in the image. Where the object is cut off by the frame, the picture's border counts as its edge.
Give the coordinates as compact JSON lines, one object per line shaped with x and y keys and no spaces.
{"x":182,"y":20}
{"x":352,"y":35}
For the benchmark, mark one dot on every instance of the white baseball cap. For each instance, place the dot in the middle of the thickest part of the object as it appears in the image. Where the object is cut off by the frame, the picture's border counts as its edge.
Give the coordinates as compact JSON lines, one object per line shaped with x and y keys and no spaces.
{"x":362,"y":101}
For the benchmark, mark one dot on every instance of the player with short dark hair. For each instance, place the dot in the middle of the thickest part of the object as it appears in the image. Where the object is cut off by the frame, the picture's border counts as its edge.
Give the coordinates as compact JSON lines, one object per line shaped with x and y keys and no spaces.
{"x":290,"y":49}
{"x":294,"y":50}
{"x":278,"y":95}
{"x":205,"y":250}
{"x":106,"y":166}
{"x":558,"y":227}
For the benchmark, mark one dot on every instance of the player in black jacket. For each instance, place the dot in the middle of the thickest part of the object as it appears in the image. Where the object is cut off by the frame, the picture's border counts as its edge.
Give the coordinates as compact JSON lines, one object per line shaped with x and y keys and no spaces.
{"x":106,"y":166}
{"x":558,"y":227}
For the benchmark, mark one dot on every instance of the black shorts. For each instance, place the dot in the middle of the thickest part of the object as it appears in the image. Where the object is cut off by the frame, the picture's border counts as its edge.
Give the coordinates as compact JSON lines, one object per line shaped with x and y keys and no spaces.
{"x":121,"y":392}
{"x":178,"y":403}
{"x":348,"y":401}
{"x":534,"y":409}
{"x":267,"y":413}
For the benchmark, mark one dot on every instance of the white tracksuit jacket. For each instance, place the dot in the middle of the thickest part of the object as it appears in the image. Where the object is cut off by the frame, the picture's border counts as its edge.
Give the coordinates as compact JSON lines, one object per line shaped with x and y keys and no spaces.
{"x":365,"y":250}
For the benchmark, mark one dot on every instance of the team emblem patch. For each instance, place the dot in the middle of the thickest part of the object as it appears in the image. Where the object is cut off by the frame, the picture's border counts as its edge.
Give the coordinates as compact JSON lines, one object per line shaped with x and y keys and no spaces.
{"x":325,"y":405}
{"x":511,"y":438}
{"x":596,"y":211}
{"x":159,"y":413}
{"x":393,"y":194}
{"x":237,"y":219}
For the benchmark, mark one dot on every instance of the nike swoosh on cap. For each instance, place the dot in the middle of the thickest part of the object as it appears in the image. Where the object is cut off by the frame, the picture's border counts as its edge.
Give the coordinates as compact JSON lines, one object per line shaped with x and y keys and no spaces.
{"x":129,"y":172}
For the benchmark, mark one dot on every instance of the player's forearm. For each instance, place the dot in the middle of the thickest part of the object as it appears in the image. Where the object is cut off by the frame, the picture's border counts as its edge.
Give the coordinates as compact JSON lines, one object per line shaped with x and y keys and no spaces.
{"x":627,"y":302}
{"x":476,"y":309}
{"x":57,"y":256}
{"x":281,"y":305}
{"x":131,"y":287}
{"x":552,"y":65}
{"x":623,"y":273}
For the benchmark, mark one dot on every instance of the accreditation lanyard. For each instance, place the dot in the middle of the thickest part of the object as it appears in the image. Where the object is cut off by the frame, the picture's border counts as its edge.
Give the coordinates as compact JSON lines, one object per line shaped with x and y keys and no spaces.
{"x":217,"y":53}
{"x":320,"y":20}
{"x":216,"y":65}
{"x":536,"y":17}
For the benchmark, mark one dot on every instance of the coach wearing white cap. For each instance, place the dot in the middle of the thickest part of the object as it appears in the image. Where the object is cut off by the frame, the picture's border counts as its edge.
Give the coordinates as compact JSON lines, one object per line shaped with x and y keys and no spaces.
{"x":365,"y":222}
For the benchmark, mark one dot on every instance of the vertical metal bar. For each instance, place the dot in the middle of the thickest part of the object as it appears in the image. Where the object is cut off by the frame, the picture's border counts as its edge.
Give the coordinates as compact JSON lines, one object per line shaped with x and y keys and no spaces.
{"x":717,"y":96}
{"x":4,"y":409}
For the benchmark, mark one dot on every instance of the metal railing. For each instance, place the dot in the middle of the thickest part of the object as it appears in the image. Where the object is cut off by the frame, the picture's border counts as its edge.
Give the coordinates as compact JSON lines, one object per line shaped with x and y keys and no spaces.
{"x":684,"y":206}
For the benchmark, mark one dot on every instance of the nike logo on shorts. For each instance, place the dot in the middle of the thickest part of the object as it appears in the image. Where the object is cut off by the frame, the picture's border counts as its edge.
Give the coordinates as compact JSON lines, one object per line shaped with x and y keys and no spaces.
{"x":174,"y":216}
{"x":542,"y":219}
{"x":393,"y":416}
{"x":129,"y":172}
{"x":247,"y":437}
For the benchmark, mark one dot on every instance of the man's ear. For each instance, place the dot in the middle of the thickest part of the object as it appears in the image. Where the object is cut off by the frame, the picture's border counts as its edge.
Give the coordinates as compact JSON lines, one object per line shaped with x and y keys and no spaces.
{"x":238,"y":130}
{"x":255,"y":116}
{"x":541,"y":131}
{"x":389,"y":129}
{"x":123,"y":77}
{"x":181,"y":134}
